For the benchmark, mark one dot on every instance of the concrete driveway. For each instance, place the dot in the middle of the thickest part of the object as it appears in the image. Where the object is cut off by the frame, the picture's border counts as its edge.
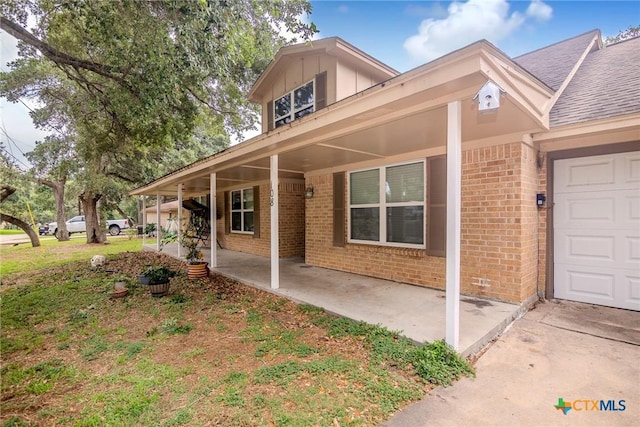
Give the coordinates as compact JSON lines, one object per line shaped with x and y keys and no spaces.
{"x":579,"y":353}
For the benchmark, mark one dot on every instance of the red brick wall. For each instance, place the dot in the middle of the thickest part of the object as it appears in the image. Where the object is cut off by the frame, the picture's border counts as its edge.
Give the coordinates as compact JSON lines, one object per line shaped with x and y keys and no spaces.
{"x":498,"y":237}
{"x":291,"y":224}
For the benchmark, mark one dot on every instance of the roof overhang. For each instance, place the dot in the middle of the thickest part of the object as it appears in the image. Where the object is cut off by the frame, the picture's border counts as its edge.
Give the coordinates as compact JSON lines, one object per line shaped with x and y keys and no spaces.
{"x":404,"y":115}
{"x":597,"y":132}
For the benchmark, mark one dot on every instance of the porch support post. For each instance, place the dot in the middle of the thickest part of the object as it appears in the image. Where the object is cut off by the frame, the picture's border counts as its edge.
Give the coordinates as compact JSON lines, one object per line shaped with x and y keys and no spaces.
{"x":158,"y":227}
{"x":275,"y":244}
{"x":454,"y":188}
{"x":179,"y":220}
{"x":213,"y":241}
{"x":144,"y":220}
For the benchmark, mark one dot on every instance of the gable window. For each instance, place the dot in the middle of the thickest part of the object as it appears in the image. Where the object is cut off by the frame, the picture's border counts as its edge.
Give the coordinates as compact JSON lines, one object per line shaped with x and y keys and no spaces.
{"x":295,"y":104}
{"x":387,"y":205}
{"x":242,"y":211}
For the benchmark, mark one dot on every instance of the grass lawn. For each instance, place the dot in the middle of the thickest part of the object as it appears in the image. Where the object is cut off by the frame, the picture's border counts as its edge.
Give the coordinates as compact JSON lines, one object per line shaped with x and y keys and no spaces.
{"x":212,"y":352}
{"x":10,"y":231}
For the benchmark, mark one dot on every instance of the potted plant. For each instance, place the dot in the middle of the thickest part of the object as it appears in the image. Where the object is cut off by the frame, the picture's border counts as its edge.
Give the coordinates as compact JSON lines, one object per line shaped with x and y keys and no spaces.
{"x":158,"y":279}
{"x":120,"y":287}
{"x":196,"y":267}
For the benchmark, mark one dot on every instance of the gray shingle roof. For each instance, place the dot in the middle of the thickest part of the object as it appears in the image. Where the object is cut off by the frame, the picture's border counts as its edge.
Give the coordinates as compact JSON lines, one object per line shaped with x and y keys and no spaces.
{"x":553,"y":63}
{"x":607,"y":84}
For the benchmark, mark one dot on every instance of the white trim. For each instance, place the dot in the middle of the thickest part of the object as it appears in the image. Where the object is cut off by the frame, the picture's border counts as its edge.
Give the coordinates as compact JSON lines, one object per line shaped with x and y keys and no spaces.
{"x":242,"y":210}
{"x":179,"y":220}
{"x":158,"y":226}
{"x":213,"y":240}
{"x":275,"y":243}
{"x":144,"y":220}
{"x":454,"y":190}
{"x":382,"y":205}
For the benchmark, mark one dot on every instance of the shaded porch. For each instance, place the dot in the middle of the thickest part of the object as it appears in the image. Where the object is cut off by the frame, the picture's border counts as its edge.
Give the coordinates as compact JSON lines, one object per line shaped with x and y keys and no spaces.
{"x":416,"y":311}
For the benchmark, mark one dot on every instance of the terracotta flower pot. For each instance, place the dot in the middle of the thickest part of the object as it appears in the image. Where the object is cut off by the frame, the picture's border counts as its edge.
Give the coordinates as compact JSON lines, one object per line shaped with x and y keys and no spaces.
{"x":119,"y":293}
{"x":197,"y":270}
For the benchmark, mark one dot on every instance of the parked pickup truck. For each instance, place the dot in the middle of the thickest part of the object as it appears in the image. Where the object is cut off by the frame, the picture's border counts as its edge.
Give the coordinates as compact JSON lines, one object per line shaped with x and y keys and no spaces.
{"x":77,"y":224}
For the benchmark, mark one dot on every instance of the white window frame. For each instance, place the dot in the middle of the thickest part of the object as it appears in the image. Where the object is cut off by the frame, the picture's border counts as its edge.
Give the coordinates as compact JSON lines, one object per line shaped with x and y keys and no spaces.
{"x":383,"y":205}
{"x":242,"y":211}
{"x":292,"y":113}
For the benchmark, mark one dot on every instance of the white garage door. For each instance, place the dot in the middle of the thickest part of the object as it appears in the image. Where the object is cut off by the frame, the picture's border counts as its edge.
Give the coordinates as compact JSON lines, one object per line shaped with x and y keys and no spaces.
{"x":597,"y":230}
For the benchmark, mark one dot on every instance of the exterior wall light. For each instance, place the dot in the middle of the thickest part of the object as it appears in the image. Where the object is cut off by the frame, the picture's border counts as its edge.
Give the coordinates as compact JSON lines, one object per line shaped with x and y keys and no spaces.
{"x":308,"y":192}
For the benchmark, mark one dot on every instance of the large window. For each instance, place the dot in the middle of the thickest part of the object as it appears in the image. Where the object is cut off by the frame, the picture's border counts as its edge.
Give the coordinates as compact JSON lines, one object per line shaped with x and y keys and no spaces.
{"x":293,"y":105}
{"x":387,"y":205}
{"x":242,"y":211}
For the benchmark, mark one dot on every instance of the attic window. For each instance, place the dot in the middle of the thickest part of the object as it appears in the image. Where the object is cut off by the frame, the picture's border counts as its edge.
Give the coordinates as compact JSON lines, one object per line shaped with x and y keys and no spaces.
{"x":302,"y":100}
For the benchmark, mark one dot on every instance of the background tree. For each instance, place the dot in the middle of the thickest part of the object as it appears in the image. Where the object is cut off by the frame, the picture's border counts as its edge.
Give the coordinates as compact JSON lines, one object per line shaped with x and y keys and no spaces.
{"x":629,"y":33}
{"x":14,"y":195}
{"x":138,"y":75}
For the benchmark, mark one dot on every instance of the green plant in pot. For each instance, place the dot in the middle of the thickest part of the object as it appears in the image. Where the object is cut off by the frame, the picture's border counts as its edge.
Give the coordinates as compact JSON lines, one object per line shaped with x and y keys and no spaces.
{"x":196,"y":267}
{"x":158,"y":279}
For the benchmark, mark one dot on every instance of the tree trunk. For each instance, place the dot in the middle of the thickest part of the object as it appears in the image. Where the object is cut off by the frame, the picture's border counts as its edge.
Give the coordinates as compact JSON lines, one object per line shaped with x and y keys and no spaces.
{"x":61,"y":214}
{"x":35,"y":241}
{"x":95,"y":232}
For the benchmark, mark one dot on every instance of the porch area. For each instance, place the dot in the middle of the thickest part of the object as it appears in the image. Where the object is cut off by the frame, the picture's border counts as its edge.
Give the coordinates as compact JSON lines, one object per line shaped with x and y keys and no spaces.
{"x":417,"y":312}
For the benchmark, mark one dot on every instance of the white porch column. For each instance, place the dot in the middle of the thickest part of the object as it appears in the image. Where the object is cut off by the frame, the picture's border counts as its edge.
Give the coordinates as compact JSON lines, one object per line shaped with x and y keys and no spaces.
{"x":158,"y":227}
{"x":454,"y":188}
{"x":275,"y":243}
{"x":144,"y":220}
{"x":213,"y":241}
{"x":179,"y":220}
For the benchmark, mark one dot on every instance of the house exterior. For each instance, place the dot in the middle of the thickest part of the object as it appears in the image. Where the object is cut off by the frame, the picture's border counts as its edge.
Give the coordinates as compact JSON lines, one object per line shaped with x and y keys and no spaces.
{"x":506,"y":178}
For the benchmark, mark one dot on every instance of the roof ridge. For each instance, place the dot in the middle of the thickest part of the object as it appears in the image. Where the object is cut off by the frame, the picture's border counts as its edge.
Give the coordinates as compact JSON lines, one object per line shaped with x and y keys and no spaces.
{"x":594,"y":31}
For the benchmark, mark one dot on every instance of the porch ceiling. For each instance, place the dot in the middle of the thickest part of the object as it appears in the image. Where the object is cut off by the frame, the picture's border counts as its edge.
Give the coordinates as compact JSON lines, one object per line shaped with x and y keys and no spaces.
{"x":413,"y":133}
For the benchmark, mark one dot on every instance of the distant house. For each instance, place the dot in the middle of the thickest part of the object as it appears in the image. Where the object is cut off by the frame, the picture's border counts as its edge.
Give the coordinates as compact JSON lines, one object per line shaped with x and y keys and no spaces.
{"x":509,"y":178}
{"x":168,"y":211}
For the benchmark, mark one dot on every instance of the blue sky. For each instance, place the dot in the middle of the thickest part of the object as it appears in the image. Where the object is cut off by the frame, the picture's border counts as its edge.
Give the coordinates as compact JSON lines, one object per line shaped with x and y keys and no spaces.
{"x":406,"y":34}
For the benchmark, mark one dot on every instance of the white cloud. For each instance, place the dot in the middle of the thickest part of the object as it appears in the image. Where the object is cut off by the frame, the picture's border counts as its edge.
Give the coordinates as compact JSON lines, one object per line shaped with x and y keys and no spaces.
{"x":343,"y":8}
{"x":467,"y":23}
{"x":539,"y":11}
{"x":432,"y":10}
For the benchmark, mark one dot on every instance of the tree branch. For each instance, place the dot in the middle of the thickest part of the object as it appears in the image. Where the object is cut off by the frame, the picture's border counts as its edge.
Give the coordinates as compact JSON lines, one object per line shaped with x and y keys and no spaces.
{"x":59,"y":57}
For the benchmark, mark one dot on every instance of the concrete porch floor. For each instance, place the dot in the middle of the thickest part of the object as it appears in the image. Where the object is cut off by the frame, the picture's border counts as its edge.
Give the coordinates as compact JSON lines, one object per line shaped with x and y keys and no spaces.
{"x":417,"y":312}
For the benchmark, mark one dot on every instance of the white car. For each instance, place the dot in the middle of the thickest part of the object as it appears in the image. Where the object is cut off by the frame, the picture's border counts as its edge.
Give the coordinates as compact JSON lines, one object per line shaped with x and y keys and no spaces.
{"x":77,"y":224}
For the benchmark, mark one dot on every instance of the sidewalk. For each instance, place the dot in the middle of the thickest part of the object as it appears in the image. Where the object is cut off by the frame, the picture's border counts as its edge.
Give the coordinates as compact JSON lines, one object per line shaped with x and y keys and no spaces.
{"x":540,"y":359}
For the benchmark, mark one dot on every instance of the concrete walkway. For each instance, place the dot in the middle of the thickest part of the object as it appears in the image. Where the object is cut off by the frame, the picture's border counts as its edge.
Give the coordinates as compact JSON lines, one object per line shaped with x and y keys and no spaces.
{"x":555,"y":351}
{"x":418,"y":312}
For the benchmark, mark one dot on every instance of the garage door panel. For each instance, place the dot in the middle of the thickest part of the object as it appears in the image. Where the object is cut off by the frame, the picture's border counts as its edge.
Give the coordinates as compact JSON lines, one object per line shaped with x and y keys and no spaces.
{"x":585,"y":283}
{"x":597,"y":230}
{"x":598,"y":173}
{"x":592,"y":209}
{"x":632,"y":168}
{"x":583,"y":173}
{"x":578,"y":248}
{"x":589,"y":284}
{"x":633,"y":284}
{"x":632,"y":252}
{"x":632,"y":207}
